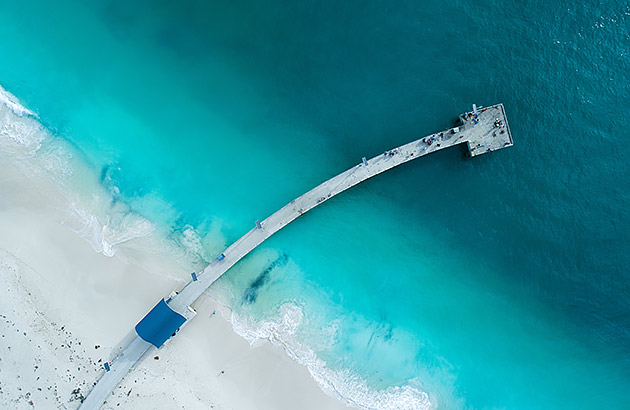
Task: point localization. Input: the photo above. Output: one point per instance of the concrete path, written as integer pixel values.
(131, 355)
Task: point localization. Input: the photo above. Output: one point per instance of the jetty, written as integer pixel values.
(483, 130)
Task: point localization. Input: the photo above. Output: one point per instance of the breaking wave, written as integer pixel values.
(11, 102)
(343, 384)
(87, 206)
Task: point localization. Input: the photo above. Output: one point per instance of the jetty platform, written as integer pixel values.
(483, 130)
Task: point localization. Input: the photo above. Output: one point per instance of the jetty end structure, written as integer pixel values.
(482, 129)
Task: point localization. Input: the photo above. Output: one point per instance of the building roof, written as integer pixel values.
(159, 324)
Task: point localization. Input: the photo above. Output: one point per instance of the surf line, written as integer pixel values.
(482, 129)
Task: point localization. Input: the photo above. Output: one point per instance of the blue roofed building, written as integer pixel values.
(159, 324)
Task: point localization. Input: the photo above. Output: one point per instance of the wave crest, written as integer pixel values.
(20, 132)
(10, 101)
(87, 206)
(342, 384)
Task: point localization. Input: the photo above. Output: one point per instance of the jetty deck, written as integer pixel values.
(483, 139)
(482, 129)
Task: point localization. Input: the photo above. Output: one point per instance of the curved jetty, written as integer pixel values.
(482, 129)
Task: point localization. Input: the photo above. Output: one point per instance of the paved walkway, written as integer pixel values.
(131, 355)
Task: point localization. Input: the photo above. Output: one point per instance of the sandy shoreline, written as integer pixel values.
(64, 306)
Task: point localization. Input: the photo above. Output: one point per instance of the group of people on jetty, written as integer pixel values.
(429, 140)
(391, 153)
(473, 116)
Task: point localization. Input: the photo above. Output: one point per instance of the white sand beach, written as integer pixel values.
(64, 306)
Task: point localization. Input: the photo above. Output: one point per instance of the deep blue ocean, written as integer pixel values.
(500, 282)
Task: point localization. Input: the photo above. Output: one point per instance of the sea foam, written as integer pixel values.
(11, 102)
(85, 205)
(19, 129)
(343, 384)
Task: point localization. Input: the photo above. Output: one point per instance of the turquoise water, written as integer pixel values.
(498, 282)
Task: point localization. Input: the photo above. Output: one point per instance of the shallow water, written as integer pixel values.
(498, 282)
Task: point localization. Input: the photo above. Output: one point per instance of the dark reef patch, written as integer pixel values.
(251, 293)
